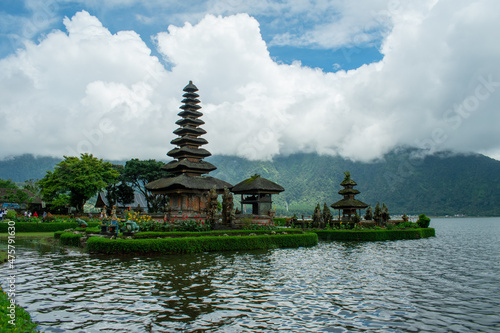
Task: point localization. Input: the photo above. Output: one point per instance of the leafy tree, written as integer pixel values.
(32, 186)
(61, 201)
(139, 173)
(121, 194)
(423, 221)
(124, 194)
(16, 196)
(377, 214)
(112, 188)
(7, 184)
(384, 213)
(327, 215)
(80, 178)
(369, 213)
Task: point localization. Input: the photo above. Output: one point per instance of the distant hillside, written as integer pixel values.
(443, 184)
(24, 167)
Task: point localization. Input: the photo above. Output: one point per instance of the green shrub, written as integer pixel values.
(11, 215)
(94, 230)
(406, 225)
(423, 221)
(375, 235)
(281, 221)
(427, 232)
(58, 234)
(198, 244)
(70, 239)
(22, 322)
(32, 219)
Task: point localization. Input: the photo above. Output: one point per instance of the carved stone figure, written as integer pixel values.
(212, 205)
(227, 206)
(317, 216)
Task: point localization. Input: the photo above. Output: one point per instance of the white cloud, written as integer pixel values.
(88, 89)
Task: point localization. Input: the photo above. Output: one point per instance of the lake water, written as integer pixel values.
(447, 283)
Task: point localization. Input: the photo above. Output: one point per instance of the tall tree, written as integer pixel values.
(369, 213)
(112, 188)
(327, 215)
(80, 178)
(16, 196)
(32, 186)
(384, 213)
(124, 194)
(139, 173)
(377, 214)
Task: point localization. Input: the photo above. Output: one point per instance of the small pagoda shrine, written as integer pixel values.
(256, 191)
(348, 204)
(188, 188)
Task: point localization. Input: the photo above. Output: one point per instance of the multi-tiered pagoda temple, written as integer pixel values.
(188, 188)
(348, 204)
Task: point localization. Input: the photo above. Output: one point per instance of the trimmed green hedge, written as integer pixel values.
(89, 230)
(198, 244)
(43, 227)
(175, 234)
(279, 220)
(70, 239)
(375, 235)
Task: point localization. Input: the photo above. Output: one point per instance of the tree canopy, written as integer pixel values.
(80, 178)
(120, 192)
(139, 173)
(7, 183)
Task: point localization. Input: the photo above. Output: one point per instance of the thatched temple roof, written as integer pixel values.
(185, 183)
(257, 184)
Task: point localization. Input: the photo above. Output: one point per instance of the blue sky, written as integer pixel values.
(148, 20)
(351, 78)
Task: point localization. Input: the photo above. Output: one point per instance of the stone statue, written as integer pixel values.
(227, 207)
(131, 227)
(81, 223)
(103, 213)
(317, 216)
(212, 205)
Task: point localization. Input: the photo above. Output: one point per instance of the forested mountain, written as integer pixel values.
(443, 184)
(24, 167)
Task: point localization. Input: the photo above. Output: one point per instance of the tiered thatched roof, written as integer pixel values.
(257, 184)
(189, 166)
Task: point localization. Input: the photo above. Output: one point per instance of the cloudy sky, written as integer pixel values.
(351, 78)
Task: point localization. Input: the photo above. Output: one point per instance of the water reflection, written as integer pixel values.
(446, 283)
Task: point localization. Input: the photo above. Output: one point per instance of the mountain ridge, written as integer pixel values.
(440, 184)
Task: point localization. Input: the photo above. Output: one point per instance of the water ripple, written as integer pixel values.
(449, 283)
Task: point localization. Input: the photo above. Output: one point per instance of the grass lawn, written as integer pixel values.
(19, 235)
(4, 235)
